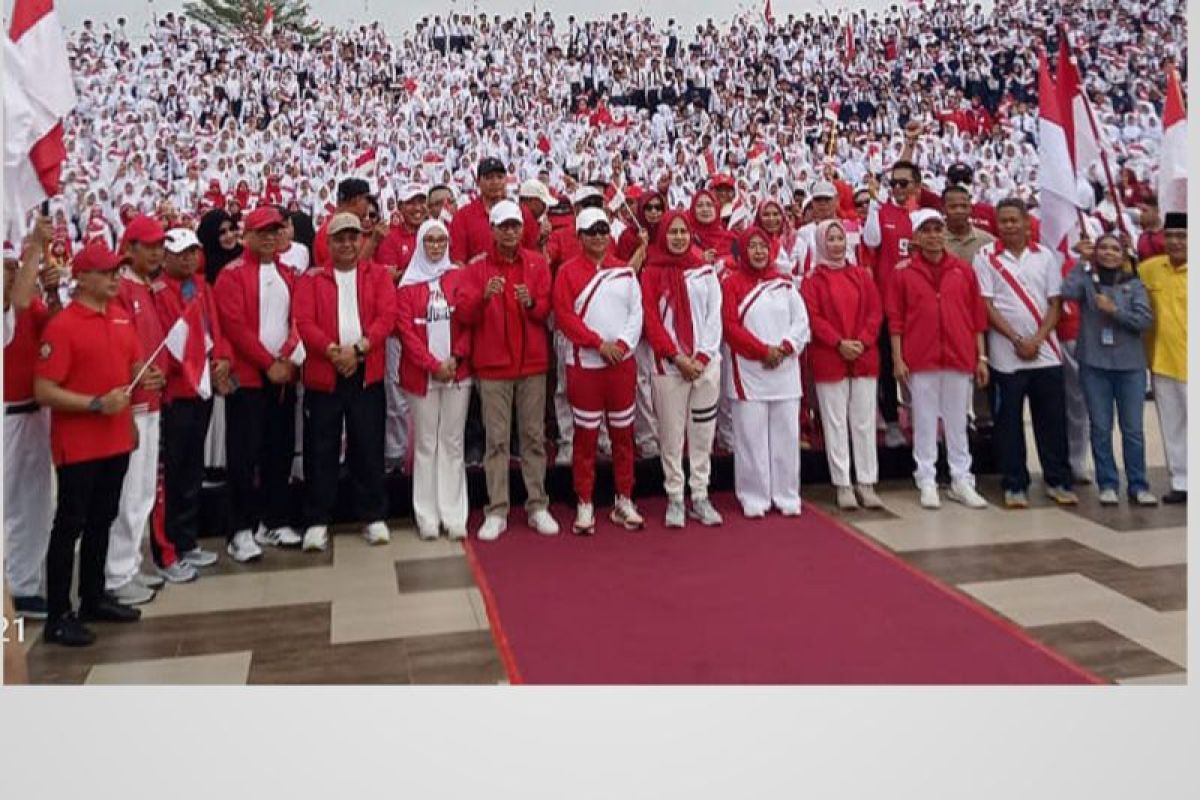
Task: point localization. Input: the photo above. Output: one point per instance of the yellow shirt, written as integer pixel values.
(1166, 342)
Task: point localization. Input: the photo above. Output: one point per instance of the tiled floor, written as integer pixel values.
(1105, 587)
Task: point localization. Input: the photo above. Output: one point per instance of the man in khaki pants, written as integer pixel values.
(506, 302)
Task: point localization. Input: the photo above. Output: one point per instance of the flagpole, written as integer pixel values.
(148, 363)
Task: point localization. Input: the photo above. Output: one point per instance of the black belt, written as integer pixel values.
(22, 408)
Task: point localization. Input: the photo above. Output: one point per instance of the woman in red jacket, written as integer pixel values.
(435, 377)
(845, 312)
(344, 312)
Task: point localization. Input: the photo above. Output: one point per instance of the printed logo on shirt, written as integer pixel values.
(45, 351)
(902, 246)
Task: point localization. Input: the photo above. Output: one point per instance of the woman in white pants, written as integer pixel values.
(681, 300)
(845, 312)
(434, 374)
(766, 329)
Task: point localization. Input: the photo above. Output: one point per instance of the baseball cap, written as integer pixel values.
(143, 229)
(535, 190)
(584, 193)
(344, 222)
(823, 189)
(263, 217)
(1172, 221)
(959, 173)
(505, 211)
(588, 218)
(351, 188)
(411, 191)
(181, 239)
(489, 166)
(96, 257)
(923, 215)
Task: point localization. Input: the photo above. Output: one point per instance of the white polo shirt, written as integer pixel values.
(1038, 272)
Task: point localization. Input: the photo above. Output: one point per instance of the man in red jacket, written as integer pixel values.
(187, 410)
(937, 319)
(470, 230)
(344, 314)
(254, 300)
(506, 302)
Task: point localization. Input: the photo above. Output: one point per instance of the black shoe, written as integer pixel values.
(69, 632)
(32, 607)
(109, 610)
(1175, 498)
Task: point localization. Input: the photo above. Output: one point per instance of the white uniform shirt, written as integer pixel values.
(1038, 273)
(704, 299)
(611, 305)
(349, 326)
(437, 320)
(774, 312)
(274, 308)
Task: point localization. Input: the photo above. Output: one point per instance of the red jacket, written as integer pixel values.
(508, 341)
(470, 232)
(168, 299)
(135, 298)
(315, 310)
(531, 233)
(562, 246)
(842, 304)
(236, 293)
(397, 247)
(412, 326)
(896, 234)
(937, 312)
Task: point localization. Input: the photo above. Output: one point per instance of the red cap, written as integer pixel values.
(144, 229)
(723, 180)
(263, 217)
(96, 257)
(633, 192)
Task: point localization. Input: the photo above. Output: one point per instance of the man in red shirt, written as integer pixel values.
(142, 246)
(88, 359)
(470, 230)
(354, 197)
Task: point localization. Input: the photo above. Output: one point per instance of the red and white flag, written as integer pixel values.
(189, 343)
(1056, 177)
(1084, 142)
(849, 54)
(1172, 170)
(770, 17)
(38, 94)
(364, 165)
(268, 29)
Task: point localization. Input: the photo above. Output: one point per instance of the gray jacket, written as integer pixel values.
(1132, 317)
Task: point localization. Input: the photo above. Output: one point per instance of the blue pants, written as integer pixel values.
(1126, 389)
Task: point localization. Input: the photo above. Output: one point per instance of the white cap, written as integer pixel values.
(410, 191)
(534, 189)
(923, 215)
(180, 239)
(823, 189)
(505, 211)
(583, 193)
(589, 217)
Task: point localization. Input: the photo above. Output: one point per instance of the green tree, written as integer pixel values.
(236, 18)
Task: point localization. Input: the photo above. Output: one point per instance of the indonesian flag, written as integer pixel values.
(708, 164)
(365, 163)
(616, 197)
(38, 94)
(293, 348)
(1083, 143)
(1172, 171)
(268, 29)
(1056, 177)
(770, 17)
(189, 343)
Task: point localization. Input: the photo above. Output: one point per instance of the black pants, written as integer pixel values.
(185, 424)
(889, 397)
(260, 441)
(89, 494)
(1048, 409)
(362, 410)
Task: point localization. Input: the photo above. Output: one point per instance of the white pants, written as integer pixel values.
(645, 425)
(766, 455)
(1079, 436)
(28, 501)
(689, 409)
(1170, 397)
(214, 441)
(941, 395)
(848, 419)
(395, 442)
(128, 531)
(439, 475)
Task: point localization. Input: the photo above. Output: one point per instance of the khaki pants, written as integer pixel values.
(497, 401)
(687, 409)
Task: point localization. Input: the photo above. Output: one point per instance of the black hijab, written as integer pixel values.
(209, 234)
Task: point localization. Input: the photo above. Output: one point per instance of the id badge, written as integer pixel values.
(1107, 337)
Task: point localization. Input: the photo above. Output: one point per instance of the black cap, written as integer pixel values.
(490, 166)
(959, 173)
(352, 188)
(1175, 221)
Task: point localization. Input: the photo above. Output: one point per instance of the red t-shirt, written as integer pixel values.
(89, 352)
(20, 354)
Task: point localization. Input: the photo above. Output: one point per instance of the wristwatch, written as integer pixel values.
(984, 360)
(95, 406)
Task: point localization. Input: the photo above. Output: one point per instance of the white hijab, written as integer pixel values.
(421, 269)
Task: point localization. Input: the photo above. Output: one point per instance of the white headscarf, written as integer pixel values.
(421, 269)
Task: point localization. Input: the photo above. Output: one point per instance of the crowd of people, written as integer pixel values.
(389, 255)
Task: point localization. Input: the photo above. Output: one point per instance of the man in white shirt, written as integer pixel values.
(1020, 282)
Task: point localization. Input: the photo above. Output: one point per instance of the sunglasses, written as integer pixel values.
(597, 230)
(900, 183)
(653, 207)
(859, 203)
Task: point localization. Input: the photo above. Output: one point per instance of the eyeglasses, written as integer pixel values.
(653, 207)
(597, 230)
(861, 203)
(900, 183)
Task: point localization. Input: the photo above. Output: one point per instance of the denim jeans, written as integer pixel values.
(1126, 389)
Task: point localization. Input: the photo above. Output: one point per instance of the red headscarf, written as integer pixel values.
(714, 235)
(628, 242)
(786, 237)
(671, 266)
(743, 255)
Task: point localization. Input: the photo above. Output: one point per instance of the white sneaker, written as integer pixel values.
(377, 533)
(543, 523)
(456, 534)
(316, 539)
(277, 537)
(846, 499)
(427, 534)
(868, 497)
(491, 528)
(179, 572)
(1109, 497)
(585, 520)
(563, 457)
(242, 548)
(893, 436)
(962, 492)
(929, 496)
(626, 515)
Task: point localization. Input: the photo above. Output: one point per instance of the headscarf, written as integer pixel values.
(209, 234)
(821, 255)
(659, 257)
(714, 235)
(420, 268)
(628, 242)
(1104, 275)
(771, 270)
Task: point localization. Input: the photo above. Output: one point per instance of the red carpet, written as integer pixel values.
(774, 601)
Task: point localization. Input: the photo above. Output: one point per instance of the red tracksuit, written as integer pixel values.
(938, 311)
